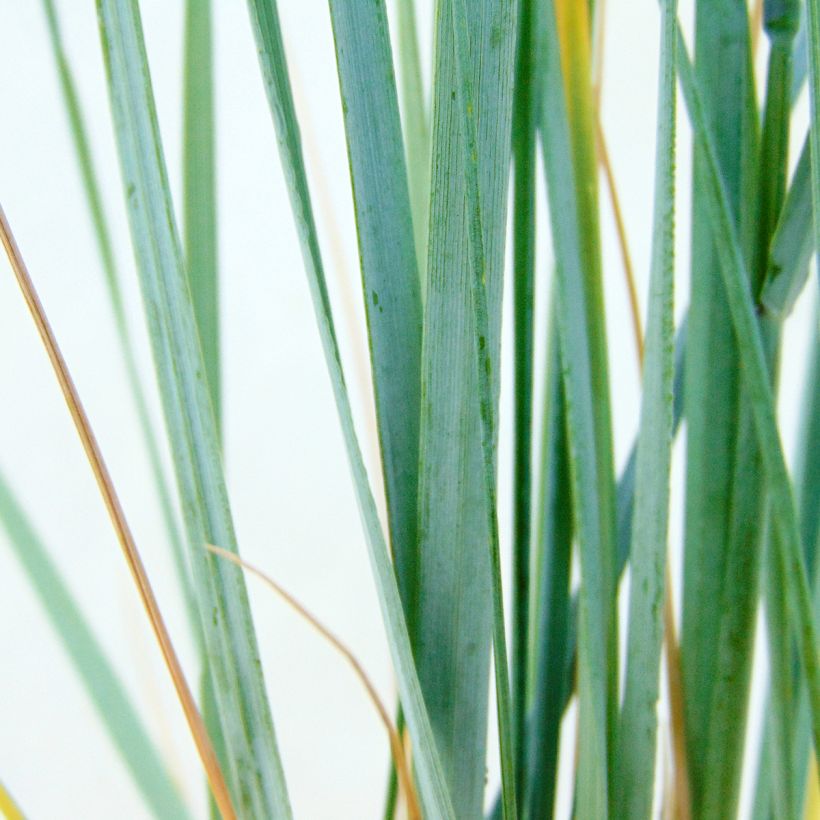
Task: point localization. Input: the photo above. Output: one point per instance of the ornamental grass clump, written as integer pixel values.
(607, 679)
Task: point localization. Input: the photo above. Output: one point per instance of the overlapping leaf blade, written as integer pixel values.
(108, 695)
(390, 278)
(638, 725)
(433, 788)
(459, 596)
(254, 770)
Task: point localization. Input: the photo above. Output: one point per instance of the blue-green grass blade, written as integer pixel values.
(792, 243)
(757, 391)
(388, 261)
(255, 771)
(199, 226)
(717, 437)
(433, 789)
(570, 167)
(638, 725)
(416, 127)
(102, 234)
(524, 124)
(553, 676)
(109, 697)
(459, 600)
(625, 497)
(199, 215)
(781, 20)
(484, 362)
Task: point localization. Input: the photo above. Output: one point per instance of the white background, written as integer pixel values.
(291, 494)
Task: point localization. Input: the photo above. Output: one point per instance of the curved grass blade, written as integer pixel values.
(569, 153)
(524, 121)
(109, 697)
(637, 729)
(255, 772)
(388, 262)
(433, 790)
(102, 233)
(758, 392)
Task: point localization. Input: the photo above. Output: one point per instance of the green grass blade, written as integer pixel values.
(102, 234)
(813, 30)
(792, 243)
(459, 602)
(484, 368)
(560, 529)
(388, 261)
(638, 725)
(255, 770)
(758, 392)
(199, 188)
(432, 784)
(523, 144)
(108, 695)
(199, 223)
(553, 677)
(808, 498)
(717, 437)
(416, 127)
(567, 134)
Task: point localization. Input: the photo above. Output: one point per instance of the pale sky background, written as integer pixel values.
(292, 498)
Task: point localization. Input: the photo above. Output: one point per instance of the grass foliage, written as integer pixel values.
(441, 174)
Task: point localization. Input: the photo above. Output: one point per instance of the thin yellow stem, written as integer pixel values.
(115, 512)
(620, 226)
(396, 747)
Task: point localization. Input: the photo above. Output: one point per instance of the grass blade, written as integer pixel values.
(102, 233)
(104, 688)
(718, 437)
(758, 393)
(433, 789)
(256, 774)
(638, 725)
(553, 676)
(388, 261)
(199, 189)
(569, 151)
(484, 361)
(460, 599)
(792, 243)
(416, 127)
(117, 516)
(523, 144)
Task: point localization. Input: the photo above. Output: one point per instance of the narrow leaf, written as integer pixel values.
(389, 272)
(459, 597)
(109, 697)
(638, 726)
(255, 769)
(433, 790)
(758, 393)
(568, 141)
